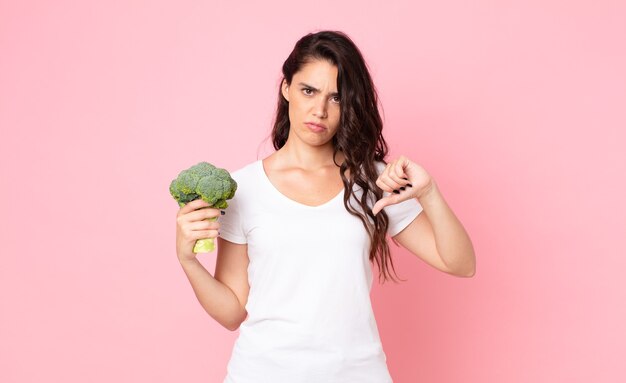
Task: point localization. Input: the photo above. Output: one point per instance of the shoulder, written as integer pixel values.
(247, 179)
(245, 173)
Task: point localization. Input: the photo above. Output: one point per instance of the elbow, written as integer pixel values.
(229, 325)
(464, 273)
(469, 274)
(466, 270)
(470, 266)
(234, 326)
(470, 271)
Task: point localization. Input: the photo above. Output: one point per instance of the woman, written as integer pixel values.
(297, 241)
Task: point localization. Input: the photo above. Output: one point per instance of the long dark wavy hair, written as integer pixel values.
(360, 129)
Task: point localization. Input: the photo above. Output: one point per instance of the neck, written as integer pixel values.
(300, 155)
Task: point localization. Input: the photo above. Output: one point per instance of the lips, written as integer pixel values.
(315, 127)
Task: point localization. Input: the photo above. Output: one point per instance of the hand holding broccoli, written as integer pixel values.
(213, 186)
(195, 221)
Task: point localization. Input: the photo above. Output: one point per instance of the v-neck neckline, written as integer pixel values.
(284, 197)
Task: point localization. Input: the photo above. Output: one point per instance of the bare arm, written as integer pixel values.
(223, 297)
(217, 299)
(438, 237)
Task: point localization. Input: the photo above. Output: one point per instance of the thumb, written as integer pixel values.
(380, 204)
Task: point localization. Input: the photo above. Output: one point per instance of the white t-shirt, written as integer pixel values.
(310, 317)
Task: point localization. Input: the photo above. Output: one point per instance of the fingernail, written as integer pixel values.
(402, 188)
(397, 192)
(222, 212)
(409, 185)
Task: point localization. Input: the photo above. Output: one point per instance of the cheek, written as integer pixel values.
(296, 109)
(293, 112)
(336, 115)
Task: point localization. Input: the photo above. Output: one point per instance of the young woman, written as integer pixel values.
(298, 240)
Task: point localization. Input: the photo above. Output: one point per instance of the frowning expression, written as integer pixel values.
(314, 104)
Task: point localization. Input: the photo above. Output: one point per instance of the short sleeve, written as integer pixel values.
(401, 215)
(231, 228)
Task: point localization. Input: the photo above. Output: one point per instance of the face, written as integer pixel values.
(313, 98)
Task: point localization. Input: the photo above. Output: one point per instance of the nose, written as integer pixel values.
(320, 108)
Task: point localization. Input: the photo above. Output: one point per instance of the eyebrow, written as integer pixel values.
(317, 90)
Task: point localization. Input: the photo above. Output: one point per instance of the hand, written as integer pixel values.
(192, 224)
(404, 179)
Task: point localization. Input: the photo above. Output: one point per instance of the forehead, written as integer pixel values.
(318, 73)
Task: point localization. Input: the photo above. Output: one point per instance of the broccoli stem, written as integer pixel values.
(206, 245)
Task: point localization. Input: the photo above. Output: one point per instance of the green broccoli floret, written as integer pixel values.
(213, 185)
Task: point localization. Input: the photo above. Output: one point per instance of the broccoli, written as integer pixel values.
(213, 185)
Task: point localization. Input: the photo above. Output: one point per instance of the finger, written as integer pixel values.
(385, 184)
(402, 162)
(397, 176)
(203, 225)
(394, 174)
(385, 201)
(203, 234)
(380, 183)
(398, 170)
(393, 199)
(379, 205)
(193, 205)
(203, 213)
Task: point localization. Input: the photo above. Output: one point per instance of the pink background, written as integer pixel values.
(517, 109)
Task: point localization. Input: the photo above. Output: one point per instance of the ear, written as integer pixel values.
(285, 90)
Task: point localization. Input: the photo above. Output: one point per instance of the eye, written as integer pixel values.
(337, 99)
(305, 90)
